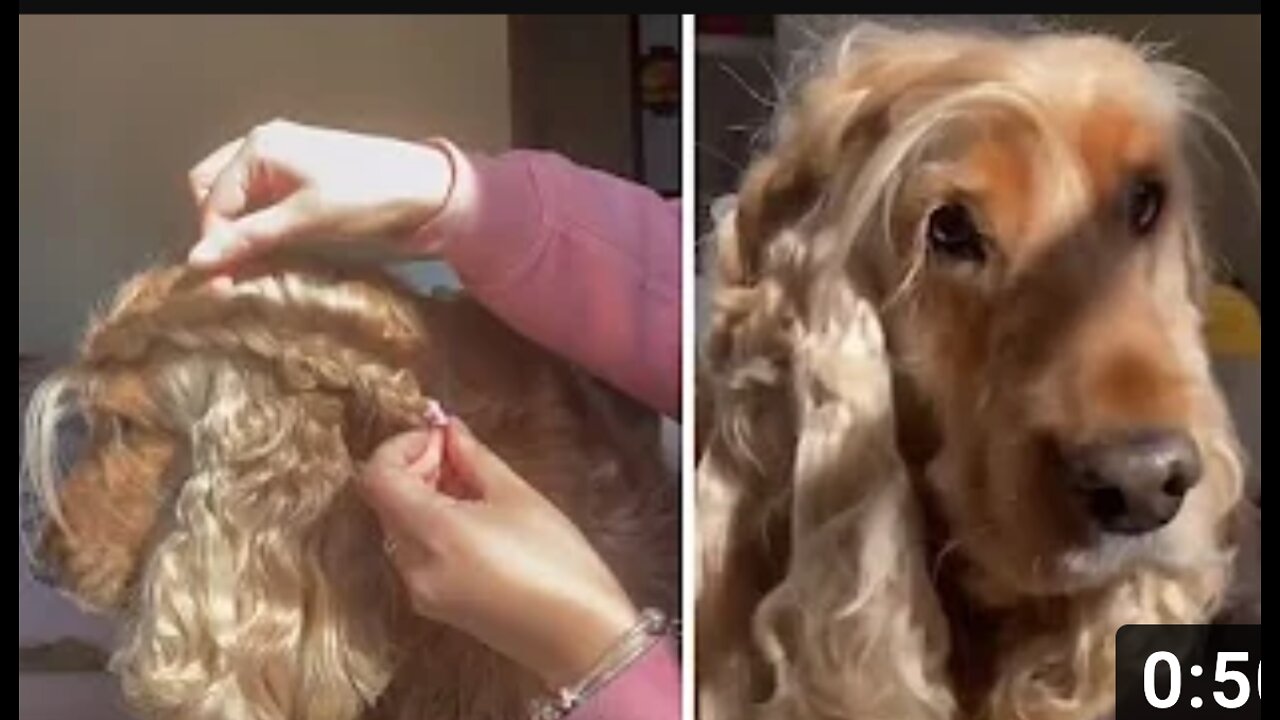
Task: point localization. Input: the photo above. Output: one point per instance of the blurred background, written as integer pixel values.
(113, 112)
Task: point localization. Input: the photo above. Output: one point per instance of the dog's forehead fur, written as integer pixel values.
(1056, 128)
(1115, 116)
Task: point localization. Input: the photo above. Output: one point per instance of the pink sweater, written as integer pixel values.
(587, 265)
(584, 263)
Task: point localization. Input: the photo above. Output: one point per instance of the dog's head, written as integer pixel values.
(1022, 212)
(211, 505)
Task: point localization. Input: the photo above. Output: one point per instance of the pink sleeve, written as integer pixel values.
(648, 690)
(585, 264)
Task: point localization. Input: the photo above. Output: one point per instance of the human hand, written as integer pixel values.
(286, 183)
(481, 550)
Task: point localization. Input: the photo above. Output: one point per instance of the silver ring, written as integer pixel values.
(389, 546)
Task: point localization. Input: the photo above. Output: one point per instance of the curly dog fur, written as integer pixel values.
(213, 509)
(884, 531)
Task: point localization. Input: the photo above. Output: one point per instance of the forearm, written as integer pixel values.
(583, 263)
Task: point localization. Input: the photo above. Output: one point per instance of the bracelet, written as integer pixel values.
(647, 632)
(446, 148)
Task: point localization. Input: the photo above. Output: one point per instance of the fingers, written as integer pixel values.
(428, 462)
(409, 448)
(229, 192)
(228, 241)
(245, 203)
(241, 173)
(399, 482)
(202, 176)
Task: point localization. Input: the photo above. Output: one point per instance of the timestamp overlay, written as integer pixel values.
(1179, 672)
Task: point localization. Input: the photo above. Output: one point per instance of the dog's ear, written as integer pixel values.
(780, 249)
(777, 190)
(804, 425)
(249, 596)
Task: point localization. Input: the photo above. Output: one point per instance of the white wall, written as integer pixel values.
(112, 111)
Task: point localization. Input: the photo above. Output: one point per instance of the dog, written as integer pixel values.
(959, 420)
(213, 510)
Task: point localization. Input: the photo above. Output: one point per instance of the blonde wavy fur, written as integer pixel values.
(880, 533)
(213, 510)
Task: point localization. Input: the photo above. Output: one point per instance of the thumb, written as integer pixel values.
(399, 484)
(476, 465)
(230, 241)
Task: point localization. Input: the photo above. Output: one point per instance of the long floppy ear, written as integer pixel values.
(265, 594)
(814, 594)
(854, 629)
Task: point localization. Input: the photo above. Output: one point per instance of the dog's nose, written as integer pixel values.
(1134, 483)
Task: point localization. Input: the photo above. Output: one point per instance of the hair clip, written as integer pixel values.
(435, 415)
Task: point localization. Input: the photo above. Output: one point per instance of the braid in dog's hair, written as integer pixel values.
(290, 322)
(279, 386)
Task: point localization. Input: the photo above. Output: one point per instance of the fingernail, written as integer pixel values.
(426, 443)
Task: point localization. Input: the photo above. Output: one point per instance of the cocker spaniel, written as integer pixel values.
(213, 508)
(962, 425)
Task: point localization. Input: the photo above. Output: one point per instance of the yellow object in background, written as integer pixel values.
(1234, 326)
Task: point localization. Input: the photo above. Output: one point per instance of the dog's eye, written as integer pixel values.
(1144, 205)
(953, 233)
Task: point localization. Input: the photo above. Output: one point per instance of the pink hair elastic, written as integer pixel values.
(435, 415)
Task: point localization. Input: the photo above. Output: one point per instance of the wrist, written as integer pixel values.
(455, 200)
(587, 640)
(646, 633)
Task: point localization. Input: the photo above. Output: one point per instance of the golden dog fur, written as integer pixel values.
(882, 532)
(214, 511)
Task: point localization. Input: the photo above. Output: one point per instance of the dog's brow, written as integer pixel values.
(1115, 142)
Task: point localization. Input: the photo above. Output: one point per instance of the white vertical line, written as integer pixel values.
(688, 194)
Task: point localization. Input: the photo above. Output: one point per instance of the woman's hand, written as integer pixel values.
(286, 183)
(480, 549)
